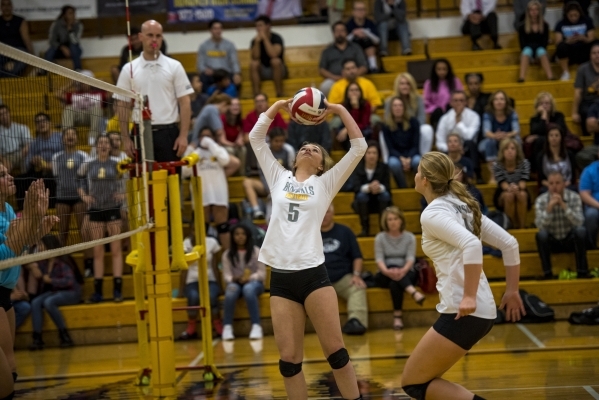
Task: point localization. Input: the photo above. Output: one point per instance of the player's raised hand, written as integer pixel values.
(36, 200)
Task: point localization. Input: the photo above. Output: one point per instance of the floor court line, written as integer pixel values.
(531, 336)
(592, 392)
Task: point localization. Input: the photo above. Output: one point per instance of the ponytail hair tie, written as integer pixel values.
(449, 182)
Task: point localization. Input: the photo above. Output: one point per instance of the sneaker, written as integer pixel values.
(353, 327)
(565, 76)
(406, 52)
(95, 298)
(256, 332)
(88, 273)
(228, 333)
(188, 336)
(258, 215)
(117, 296)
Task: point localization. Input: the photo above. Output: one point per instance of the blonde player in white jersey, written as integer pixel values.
(293, 249)
(452, 230)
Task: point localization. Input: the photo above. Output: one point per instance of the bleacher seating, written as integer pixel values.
(500, 69)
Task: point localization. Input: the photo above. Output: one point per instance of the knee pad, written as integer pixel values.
(338, 359)
(288, 369)
(417, 392)
(223, 228)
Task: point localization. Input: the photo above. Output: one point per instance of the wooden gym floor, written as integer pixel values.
(546, 361)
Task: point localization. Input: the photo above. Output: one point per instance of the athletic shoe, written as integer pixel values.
(228, 333)
(258, 215)
(117, 296)
(188, 336)
(256, 332)
(95, 298)
(565, 76)
(353, 327)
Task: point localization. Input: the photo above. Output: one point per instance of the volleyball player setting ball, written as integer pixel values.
(452, 230)
(293, 245)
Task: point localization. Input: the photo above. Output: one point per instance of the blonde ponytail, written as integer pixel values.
(440, 171)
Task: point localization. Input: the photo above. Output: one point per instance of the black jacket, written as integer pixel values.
(381, 174)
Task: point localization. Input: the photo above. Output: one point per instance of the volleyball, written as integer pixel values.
(308, 105)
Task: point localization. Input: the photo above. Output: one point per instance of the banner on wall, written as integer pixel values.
(46, 10)
(206, 10)
(115, 8)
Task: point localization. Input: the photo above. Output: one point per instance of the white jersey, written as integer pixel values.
(212, 247)
(448, 241)
(213, 159)
(293, 240)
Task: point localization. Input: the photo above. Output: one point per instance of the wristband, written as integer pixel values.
(357, 273)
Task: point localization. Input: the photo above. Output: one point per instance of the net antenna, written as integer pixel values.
(27, 95)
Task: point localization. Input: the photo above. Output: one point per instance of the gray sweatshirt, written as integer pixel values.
(60, 35)
(221, 55)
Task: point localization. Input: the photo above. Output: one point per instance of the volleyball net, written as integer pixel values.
(63, 128)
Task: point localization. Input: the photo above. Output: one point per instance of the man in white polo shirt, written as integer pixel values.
(165, 83)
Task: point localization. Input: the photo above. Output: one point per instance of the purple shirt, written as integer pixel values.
(440, 98)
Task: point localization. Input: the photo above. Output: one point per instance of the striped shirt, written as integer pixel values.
(395, 250)
(521, 173)
(559, 221)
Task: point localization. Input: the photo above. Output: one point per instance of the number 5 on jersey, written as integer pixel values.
(293, 214)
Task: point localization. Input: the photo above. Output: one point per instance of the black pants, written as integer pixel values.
(471, 151)
(575, 53)
(575, 241)
(436, 116)
(488, 26)
(397, 288)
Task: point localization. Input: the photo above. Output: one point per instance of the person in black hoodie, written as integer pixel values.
(371, 185)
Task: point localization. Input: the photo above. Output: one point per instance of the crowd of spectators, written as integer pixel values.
(453, 116)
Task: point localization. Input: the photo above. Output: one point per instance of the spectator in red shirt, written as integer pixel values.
(84, 106)
(233, 127)
(360, 110)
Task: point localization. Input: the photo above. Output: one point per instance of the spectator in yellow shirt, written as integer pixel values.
(349, 74)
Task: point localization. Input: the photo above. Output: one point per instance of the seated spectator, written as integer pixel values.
(512, 171)
(14, 141)
(343, 260)
(459, 120)
(479, 19)
(589, 193)
(218, 53)
(477, 99)
(14, 32)
(198, 98)
(555, 157)
(388, 15)
(332, 57)
(38, 164)
(363, 32)
(586, 88)
(360, 111)
(192, 289)
(499, 122)
(401, 135)
(136, 50)
(260, 106)
(350, 74)
(520, 11)
(210, 117)
(254, 187)
(65, 37)
(63, 286)
(372, 187)
(233, 127)
(534, 37)
(573, 37)
(395, 254)
(455, 151)
(437, 90)
(214, 167)
(101, 191)
(277, 10)
(406, 88)
(84, 106)
(589, 153)
(559, 217)
(244, 276)
(546, 114)
(20, 301)
(267, 57)
(222, 84)
(299, 133)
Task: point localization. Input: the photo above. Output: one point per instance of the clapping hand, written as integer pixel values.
(36, 201)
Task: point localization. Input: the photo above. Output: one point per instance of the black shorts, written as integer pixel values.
(466, 331)
(109, 215)
(69, 202)
(297, 286)
(5, 298)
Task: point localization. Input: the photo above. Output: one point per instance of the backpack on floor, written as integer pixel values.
(590, 316)
(536, 310)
